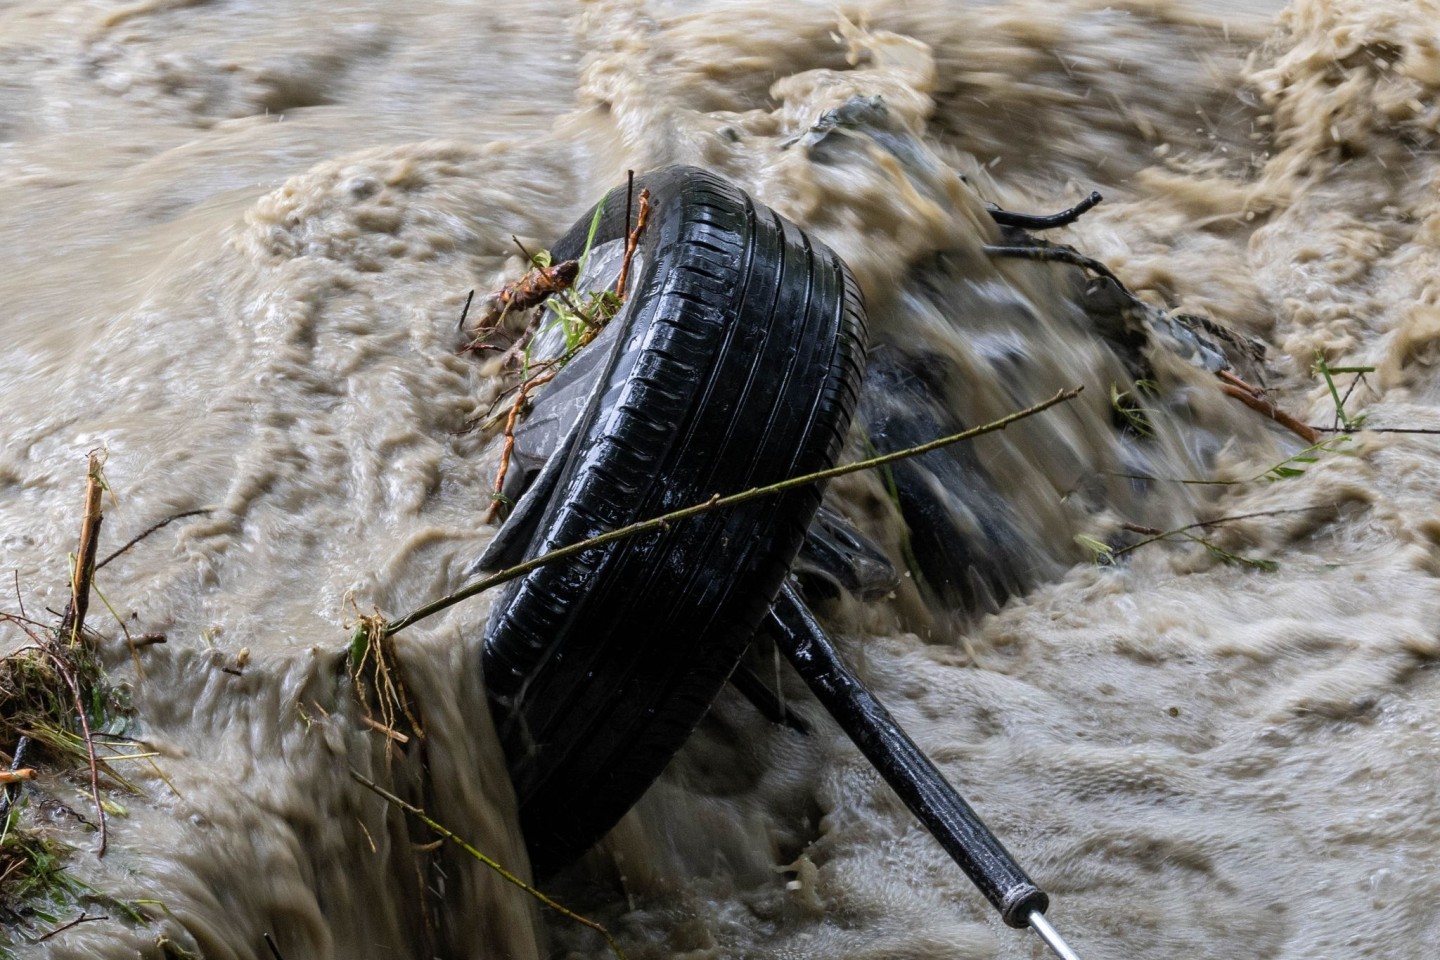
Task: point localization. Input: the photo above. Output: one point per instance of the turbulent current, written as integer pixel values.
(237, 236)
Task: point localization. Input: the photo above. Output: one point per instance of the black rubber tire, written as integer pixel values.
(739, 365)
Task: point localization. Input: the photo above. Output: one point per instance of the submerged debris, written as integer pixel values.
(548, 290)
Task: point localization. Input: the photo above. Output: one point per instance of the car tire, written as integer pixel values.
(738, 364)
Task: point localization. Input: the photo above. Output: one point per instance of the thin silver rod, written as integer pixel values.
(1052, 939)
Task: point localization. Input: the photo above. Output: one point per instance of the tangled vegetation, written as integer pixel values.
(61, 720)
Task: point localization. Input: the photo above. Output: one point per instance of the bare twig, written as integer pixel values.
(83, 918)
(465, 310)
(629, 196)
(24, 623)
(490, 862)
(485, 418)
(509, 448)
(151, 529)
(632, 241)
(715, 503)
(1255, 398)
(390, 732)
(63, 669)
(1369, 429)
(63, 646)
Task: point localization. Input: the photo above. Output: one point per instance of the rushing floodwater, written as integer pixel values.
(236, 237)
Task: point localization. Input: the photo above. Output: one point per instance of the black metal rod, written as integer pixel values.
(1030, 221)
(947, 816)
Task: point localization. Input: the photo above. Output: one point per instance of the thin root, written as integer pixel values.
(375, 671)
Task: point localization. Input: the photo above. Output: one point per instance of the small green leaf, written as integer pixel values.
(359, 643)
(1269, 566)
(1104, 553)
(1126, 405)
(590, 237)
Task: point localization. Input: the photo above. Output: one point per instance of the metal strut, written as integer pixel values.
(950, 820)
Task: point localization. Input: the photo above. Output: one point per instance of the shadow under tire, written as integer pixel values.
(738, 365)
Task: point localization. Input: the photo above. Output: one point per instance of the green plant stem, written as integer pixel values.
(1202, 524)
(717, 502)
(1342, 419)
(490, 862)
(1270, 473)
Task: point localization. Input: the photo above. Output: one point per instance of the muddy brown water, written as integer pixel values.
(236, 238)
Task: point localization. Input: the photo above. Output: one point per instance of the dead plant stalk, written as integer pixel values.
(73, 621)
(496, 497)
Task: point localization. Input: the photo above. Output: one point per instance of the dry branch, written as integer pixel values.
(1255, 398)
(68, 675)
(83, 918)
(151, 529)
(633, 240)
(497, 497)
